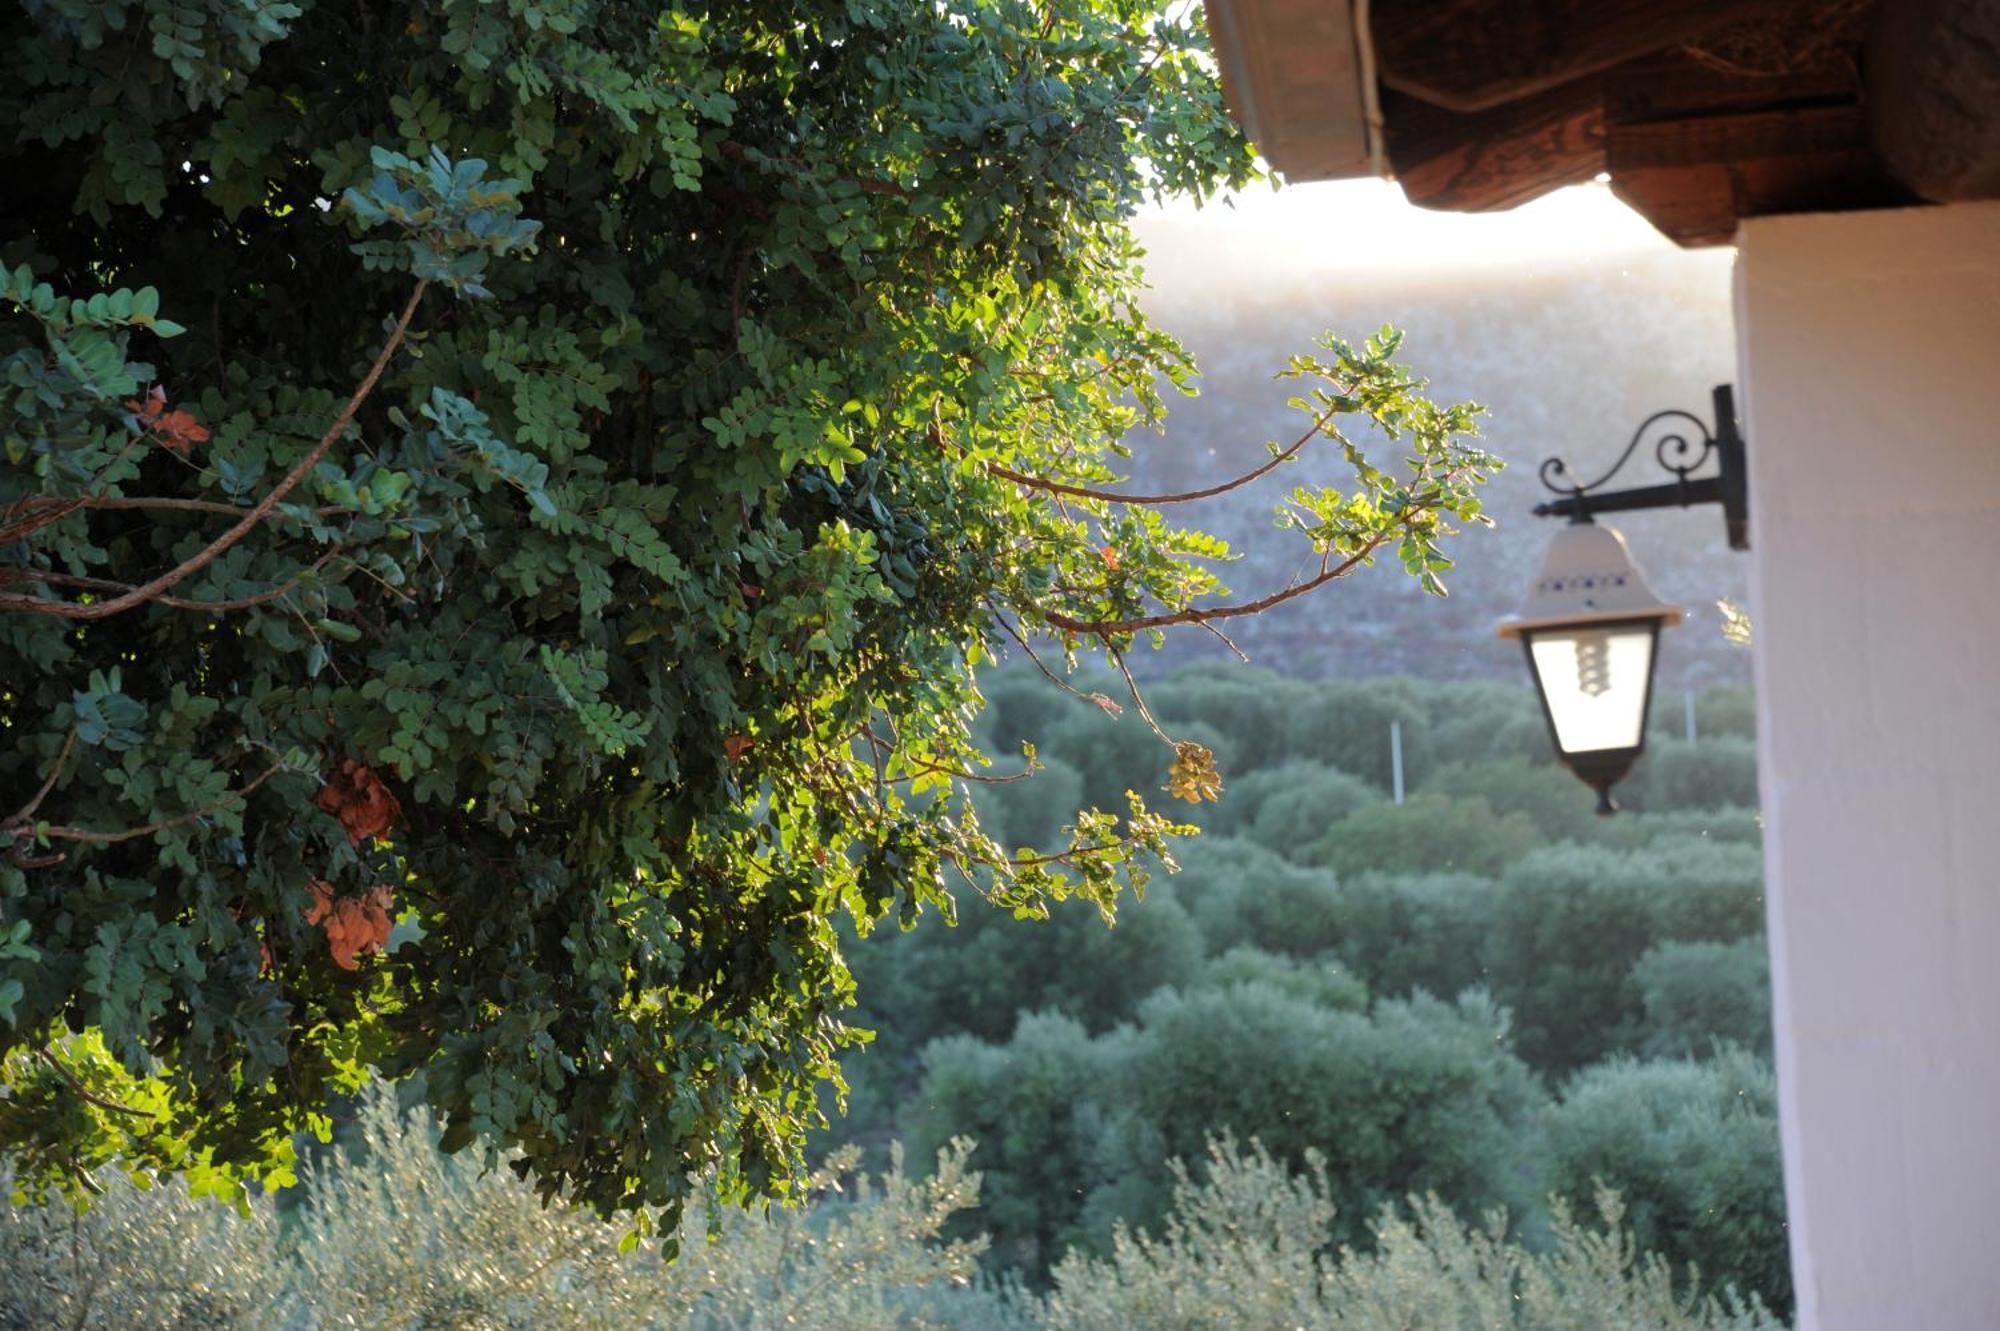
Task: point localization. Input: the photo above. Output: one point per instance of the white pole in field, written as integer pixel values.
(1690, 714)
(1396, 757)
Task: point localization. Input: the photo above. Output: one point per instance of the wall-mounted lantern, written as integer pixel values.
(1591, 624)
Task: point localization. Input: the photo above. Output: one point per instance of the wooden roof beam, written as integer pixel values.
(1473, 55)
(1495, 159)
(1934, 95)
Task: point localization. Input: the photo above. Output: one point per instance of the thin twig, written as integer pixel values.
(866, 184)
(1228, 642)
(875, 756)
(85, 1093)
(27, 811)
(1021, 640)
(736, 282)
(1138, 699)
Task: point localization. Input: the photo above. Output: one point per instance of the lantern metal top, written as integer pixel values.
(1588, 577)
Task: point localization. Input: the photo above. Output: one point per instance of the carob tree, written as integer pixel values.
(503, 506)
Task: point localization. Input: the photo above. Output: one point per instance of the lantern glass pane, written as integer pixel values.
(1595, 680)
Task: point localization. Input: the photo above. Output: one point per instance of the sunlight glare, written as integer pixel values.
(1367, 225)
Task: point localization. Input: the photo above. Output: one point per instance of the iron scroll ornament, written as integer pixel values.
(1671, 452)
(1681, 452)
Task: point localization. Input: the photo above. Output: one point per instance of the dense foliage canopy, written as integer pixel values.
(502, 509)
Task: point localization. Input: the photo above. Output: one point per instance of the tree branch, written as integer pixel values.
(20, 821)
(737, 152)
(1105, 628)
(1278, 459)
(1068, 857)
(928, 768)
(27, 811)
(194, 564)
(84, 1093)
(35, 502)
(177, 602)
(49, 511)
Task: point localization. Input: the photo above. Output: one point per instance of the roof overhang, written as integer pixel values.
(1702, 112)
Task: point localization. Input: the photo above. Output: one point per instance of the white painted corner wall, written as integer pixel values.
(1870, 378)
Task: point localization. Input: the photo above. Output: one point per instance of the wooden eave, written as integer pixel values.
(1486, 104)
(1291, 74)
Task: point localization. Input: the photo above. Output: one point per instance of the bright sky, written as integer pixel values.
(1368, 225)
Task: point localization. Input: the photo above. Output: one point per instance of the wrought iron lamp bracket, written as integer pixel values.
(1682, 451)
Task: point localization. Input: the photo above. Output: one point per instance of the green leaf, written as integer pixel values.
(334, 628)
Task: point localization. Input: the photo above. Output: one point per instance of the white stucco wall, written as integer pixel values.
(1870, 347)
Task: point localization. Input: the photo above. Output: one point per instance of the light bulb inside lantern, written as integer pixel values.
(1593, 663)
